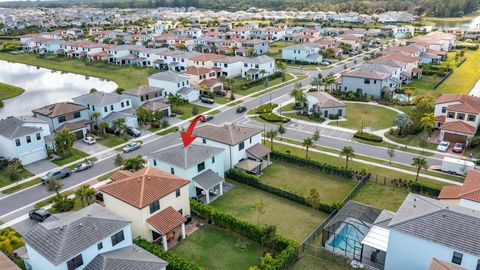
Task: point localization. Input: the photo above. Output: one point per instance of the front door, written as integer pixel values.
(155, 235)
(325, 114)
(340, 113)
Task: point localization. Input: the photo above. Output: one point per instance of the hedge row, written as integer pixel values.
(174, 262)
(423, 189)
(367, 136)
(271, 117)
(303, 162)
(251, 180)
(287, 248)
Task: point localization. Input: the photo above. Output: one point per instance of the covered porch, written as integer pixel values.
(250, 166)
(209, 186)
(259, 153)
(166, 226)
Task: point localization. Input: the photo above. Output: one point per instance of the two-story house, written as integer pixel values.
(258, 67)
(110, 106)
(174, 83)
(229, 66)
(367, 82)
(302, 53)
(466, 195)
(199, 163)
(142, 94)
(457, 117)
(66, 115)
(243, 148)
(156, 202)
(25, 138)
(91, 238)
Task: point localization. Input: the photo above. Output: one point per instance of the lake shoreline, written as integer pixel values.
(8, 91)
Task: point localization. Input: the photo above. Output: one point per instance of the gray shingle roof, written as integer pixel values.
(439, 222)
(142, 90)
(99, 98)
(60, 238)
(196, 153)
(227, 134)
(208, 179)
(169, 76)
(262, 59)
(131, 258)
(13, 127)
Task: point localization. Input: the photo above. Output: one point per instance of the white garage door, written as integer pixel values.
(32, 156)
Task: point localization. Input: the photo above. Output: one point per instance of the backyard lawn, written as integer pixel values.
(215, 248)
(240, 201)
(75, 155)
(9, 91)
(307, 262)
(369, 114)
(126, 77)
(275, 50)
(381, 196)
(300, 180)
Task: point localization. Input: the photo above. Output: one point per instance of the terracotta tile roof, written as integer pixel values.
(73, 126)
(6, 263)
(440, 118)
(441, 265)
(459, 126)
(400, 58)
(211, 82)
(191, 70)
(166, 220)
(58, 109)
(120, 174)
(472, 103)
(144, 186)
(470, 189)
(206, 57)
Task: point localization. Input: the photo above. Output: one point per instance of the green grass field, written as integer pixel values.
(381, 196)
(187, 110)
(75, 155)
(215, 248)
(275, 50)
(327, 261)
(112, 141)
(4, 181)
(260, 87)
(300, 222)
(9, 91)
(125, 77)
(300, 180)
(369, 114)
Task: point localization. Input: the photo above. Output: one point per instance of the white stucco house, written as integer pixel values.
(243, 145)
(25, 138)
(466, 195)
(203, 165)
(325, 105)
(174, 83)
(304, 53)
(91, 238)
(367, 82)
(156, 203)
(252, 67)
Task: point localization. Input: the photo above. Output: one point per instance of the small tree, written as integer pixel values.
(118, 160)
(307, 143)
(348, 152)
(64, 142)
(62, 203)
(95, 116)
(85, 193)
(195, 110)
(402, 121)
(119, 126)
(281, 130)
(271, 134)
(316, 136)
(164, 123)
(313, 199)
(102, 127)
(391, 153)
(419, 163)
(134, 164)
(93, 90)
(259, 207)
(427, 122)
(232, 96)
(54, 185)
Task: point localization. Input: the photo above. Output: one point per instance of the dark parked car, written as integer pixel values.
(221, 93)
(38, 214)
(206, 118)
(241, 109)
(207, 100)
(133, 132)
(99, 196)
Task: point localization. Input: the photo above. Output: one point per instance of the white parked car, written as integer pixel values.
(89, 140)
(443, 146)
(324, 63)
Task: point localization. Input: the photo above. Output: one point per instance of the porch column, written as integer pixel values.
(268, 158)
(183, 231)
(208, 196)
(164, 240)
(221, 188)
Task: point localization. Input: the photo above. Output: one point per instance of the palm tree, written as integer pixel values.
(119, 126)
(307, 143)
(282, 67)
(348, 153)
(281, 130)
(271, 134)
(299, 96)
(262, 74)
(317, 82)
(64, 141)
(9, 239)
(102, 127)
(85, 193)
(54, 185)
(419, 163)
(134, 164)
(95, 116)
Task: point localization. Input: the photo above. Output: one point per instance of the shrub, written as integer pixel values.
(368, 137)
(271, 117)
(174, 262)
(333, 116)
(425, 190)
(265, 108)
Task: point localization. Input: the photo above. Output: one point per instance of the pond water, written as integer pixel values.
(44, 86)
(474, 23)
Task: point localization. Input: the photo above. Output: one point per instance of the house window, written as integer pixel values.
(177, 193)
(457, 258)
(451, 115)
(39, 137)
(100, 245)
(478, 265)
(472, 118)
(201, 167)
(93, 108)
(17, 142)
(117, 238)
(123, 105)
(241, 146)
(444, 109)
(204, 140)
(366, 81)
(75, 263)
(154, 206)
(105, 109)
(250, 140)
(61, 119)
(460, 116)
(29, 139)
(172, 170)
(76, 115)
(111, 107)
(154, 162)
(128, 102)
(213, 159)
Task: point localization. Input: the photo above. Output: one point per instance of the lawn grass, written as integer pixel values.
(260, 87)
(9, 91)
(299, 224)
(411, 140)
(111, 141)
(4, 180)
(125, 76)
(275, 49)
(22, 186)
(375, 117)
(308, 262)
(381, 196)
(204, 246)
(222, 100)
(75, 154)
(302, 117)
(288, 107)
(332, 188)
(187, 110)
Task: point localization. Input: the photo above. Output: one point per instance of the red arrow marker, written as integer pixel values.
(187, 137)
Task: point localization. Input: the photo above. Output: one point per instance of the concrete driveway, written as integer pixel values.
(89, 148)
(40, 166)
(24, 226)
